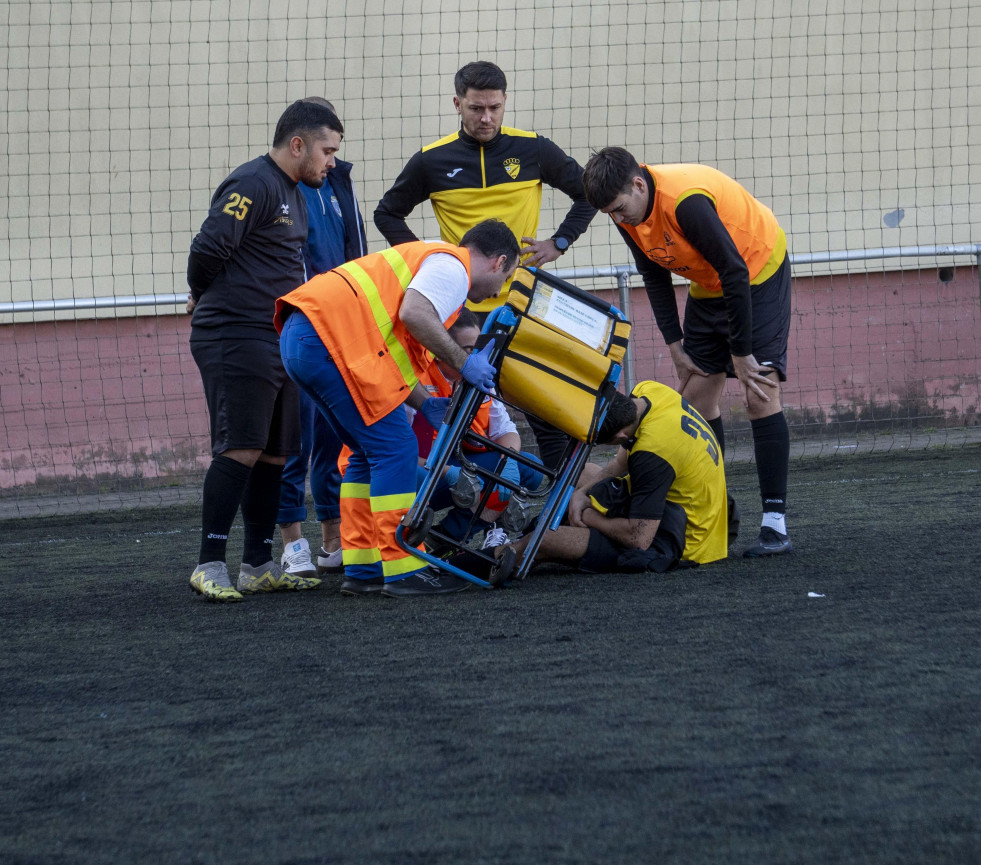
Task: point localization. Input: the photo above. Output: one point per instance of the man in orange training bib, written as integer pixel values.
(696, 222)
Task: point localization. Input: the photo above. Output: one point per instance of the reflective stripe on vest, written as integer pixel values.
(355, 311)
(385, 324)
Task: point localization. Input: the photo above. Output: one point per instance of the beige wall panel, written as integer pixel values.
(118, 119)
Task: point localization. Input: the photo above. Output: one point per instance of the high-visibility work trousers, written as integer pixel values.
(380, 482)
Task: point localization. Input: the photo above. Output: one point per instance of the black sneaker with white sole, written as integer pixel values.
(769, 543)
(428, 581)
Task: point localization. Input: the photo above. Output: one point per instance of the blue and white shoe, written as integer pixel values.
(296, 559)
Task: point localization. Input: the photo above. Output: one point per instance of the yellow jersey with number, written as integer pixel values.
(672, 430)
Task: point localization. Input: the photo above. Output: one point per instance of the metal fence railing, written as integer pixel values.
(619, 273)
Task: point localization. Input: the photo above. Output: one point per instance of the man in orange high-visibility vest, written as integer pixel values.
(356, 339)
(694, 221)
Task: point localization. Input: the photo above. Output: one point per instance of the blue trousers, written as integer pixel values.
(380, 482)
(319, 449)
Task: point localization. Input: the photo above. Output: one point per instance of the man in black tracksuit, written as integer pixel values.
(248, 253)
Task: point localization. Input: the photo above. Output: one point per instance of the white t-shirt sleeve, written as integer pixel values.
(442, 280)
(499, 423)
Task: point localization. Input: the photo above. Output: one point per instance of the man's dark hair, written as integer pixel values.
(480, 75)
(607, 174)
(492, 238)
(319, 100)
(621, 414)
(305, 118)
(465, 319)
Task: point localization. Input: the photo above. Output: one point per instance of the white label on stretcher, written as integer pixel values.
(572, 316)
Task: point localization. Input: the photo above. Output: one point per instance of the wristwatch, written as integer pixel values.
(561, 243)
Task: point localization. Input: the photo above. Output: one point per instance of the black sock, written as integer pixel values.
(260, 507)
(223, 485)
(720, 433)
(771, 441)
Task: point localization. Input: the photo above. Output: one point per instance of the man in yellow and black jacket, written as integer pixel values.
(487, 170)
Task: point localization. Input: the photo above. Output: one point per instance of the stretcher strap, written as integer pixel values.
(551, 372)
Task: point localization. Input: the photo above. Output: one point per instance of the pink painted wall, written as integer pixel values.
(898, 345)
(93, 402)
(101, 398)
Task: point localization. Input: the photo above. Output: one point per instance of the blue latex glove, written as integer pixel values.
(479, 371)
(433, 409)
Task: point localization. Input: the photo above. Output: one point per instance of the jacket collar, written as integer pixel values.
(473, 142)
(341, 167)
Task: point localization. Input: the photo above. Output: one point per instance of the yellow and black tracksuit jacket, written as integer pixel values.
(467, 182)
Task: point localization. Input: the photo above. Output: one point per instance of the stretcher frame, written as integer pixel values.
(500, 328)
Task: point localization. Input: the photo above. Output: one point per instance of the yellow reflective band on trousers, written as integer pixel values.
(382, 319)
(355, 491)
(388, 511)
(392, 502)
(407, 565)
(361, 557)
(359, 532)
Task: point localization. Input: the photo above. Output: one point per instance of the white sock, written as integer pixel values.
(775, 521)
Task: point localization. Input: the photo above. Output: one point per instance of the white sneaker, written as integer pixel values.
(330, 563)
(495, 537)
(296, 559)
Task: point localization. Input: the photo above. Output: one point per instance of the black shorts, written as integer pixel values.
(706, 327)
(604, 556)
(252, 402)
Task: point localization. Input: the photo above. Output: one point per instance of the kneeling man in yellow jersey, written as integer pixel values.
(660, 503)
